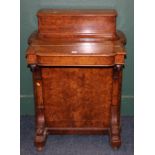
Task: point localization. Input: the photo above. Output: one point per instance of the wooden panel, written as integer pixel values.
(56, 23)
(77, 97)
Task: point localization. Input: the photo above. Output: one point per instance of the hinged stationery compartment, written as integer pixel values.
(79, 23)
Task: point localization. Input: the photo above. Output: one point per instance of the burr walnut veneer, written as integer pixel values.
(76, 58)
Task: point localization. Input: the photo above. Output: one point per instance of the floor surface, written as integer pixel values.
(76, 144)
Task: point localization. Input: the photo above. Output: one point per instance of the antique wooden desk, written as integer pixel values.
(76, 58)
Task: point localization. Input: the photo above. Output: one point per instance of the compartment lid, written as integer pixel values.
(45, 53)
(86, 23)
(77, 12)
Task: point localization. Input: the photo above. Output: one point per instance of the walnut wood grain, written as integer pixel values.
(115, 138)
(80, 96)
(107, 53)
(80, 23)
(76, 58)
(40, 130)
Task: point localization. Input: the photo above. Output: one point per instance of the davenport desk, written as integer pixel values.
(76, 58)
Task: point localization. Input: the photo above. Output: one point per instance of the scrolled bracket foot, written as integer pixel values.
(40, 139)
(115, 129)
(115, 141)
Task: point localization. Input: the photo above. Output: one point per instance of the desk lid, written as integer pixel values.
(70, 53)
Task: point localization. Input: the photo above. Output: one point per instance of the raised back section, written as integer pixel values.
(70, 24)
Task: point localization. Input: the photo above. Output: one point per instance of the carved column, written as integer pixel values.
(115, 138)
(40, 131)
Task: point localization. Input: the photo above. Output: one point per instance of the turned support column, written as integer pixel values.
(115, 137)
(40, 131)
